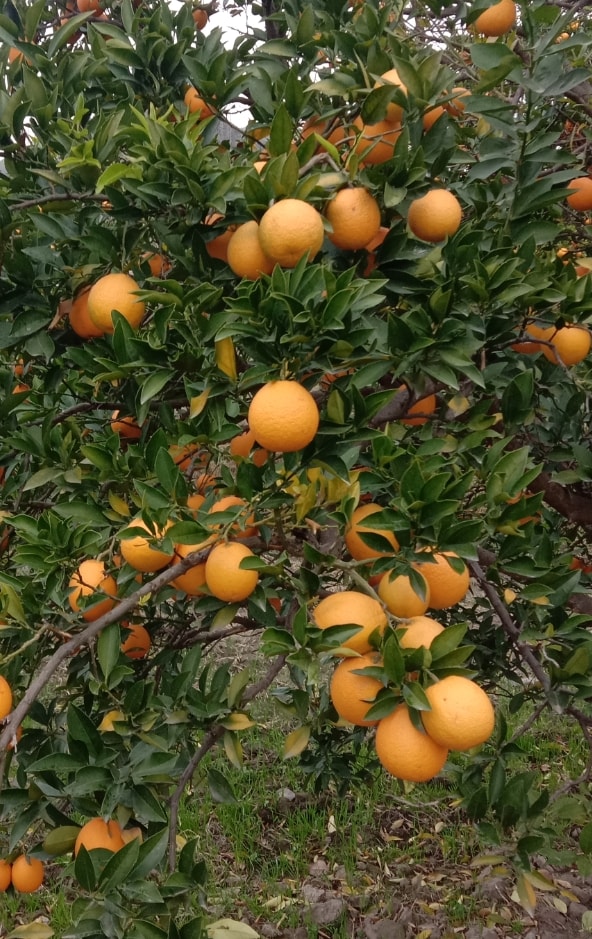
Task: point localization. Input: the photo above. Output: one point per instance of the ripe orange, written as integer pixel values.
(433, 114)
(5, 698)
(97, 833)
(418, 631)
(200, 18)
(185, 456)
(159, 264)
(351, 608)
(328, 128)
(462, 715)
(352, 694)
(193, 581)
(5, 875)
(115, 292)
(456, 106)
(217, 247)
(289, 230)
(497, 19)
(245, 254)
(79, 317)
(422, 408)
(225, 578)
(354, 216)
(283, 416)
(372, 247)
(139, 553)
(435, 216)
(357, 547)
(581, 197)
(126, 426)
(195, 502)
(196, 105)
(27, 874)
(14, 54)
(394, 112)
(569, 345)
(245, 445)
(406, 752)
(537, 332)
(244, 527)
(447, 586)
(376, 142)
(91, 578)
(87, 6)
(137, 643)
(400, 598)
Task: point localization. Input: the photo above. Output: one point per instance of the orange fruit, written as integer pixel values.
(139, 552)
(355, 544)
(88, 6)
(89, 579)
(79, 317)
(352, 694)
(400, 598)
(283, 416)
(433, 114)
(225, 578)
(217, 247)
(447, 586)
(5, 875)
(196, 105)
(289, 230)
(244, 527)
(195, 502)
(193, 581)
(185, 456)
(5, 698)
(200, 18)
(159, 264)
(497, 19)
(569, 345)
(245, 254)
(394, 112)
(245, 445)
(376, 142)
(27, 874)
(537, 332)
(351, 608)
(372, 247)
(418, 631)
(14, 54)
(456, 106)
(461, 716)
(330, 129)
(354, 216)
(115, 292)
(126, 426)
(422, 408)
(137, 642)
(581, 194)
(435, 216)
(406, 752)
(97, 833)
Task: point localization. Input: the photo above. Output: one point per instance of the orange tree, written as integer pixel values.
(356, 228)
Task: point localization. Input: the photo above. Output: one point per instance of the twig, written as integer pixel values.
(509, 626)
(57, 197)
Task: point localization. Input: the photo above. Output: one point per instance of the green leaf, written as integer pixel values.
(282, 132)
(81, 728)
(118, 171)
(415, 696)
(585, 839)
(109, 649)
(84, 870)
(155, 383)
(119, 866)
(230, 929)
(151, 853)
(220, 789)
